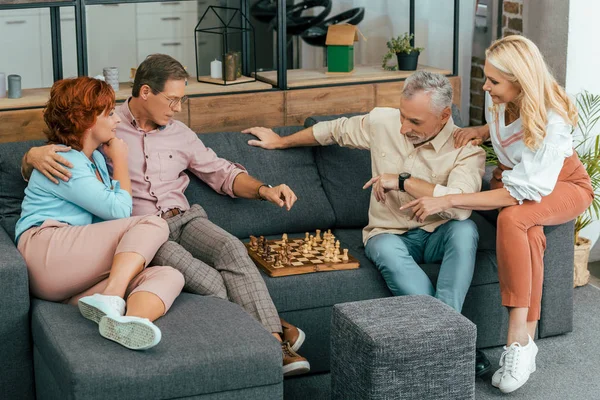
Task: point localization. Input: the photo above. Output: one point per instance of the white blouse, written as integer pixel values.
(534, 172)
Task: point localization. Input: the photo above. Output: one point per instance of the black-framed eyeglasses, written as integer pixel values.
(173, 102)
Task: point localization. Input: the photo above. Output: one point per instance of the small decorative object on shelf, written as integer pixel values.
(111, 76)
(234, 31)
(2, 85)
(132, 73)
(216, 71)
(14, 86)
(406, 54)
(340, 48)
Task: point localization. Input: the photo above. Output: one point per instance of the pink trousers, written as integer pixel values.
(67, 262)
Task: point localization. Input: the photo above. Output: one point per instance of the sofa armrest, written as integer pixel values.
(16, 364)
(557, 294)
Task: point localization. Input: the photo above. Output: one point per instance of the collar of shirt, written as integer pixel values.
(130, 119)
(440, 140)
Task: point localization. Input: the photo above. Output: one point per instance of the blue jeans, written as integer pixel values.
(398, 257)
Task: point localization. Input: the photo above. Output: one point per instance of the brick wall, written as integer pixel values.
(512, 24)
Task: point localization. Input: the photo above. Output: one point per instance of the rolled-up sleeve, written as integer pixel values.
(465, 177)
(216, 172)
(352, 132)
(537, 173)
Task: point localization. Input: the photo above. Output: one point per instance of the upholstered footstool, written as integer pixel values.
(407, 347)
(210, 349)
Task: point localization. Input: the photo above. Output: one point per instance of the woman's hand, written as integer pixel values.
(476, 135)
(425, 206)
(116, 149)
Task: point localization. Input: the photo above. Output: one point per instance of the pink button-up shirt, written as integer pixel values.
(158, 158)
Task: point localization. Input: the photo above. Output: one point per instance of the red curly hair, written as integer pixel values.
(74, 106)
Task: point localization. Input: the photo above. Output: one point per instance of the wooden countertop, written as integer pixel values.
(298, 78)
(32, 98)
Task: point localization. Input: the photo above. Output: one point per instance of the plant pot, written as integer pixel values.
(408, 62)
(582, 254)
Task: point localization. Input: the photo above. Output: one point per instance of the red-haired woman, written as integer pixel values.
(79, 242)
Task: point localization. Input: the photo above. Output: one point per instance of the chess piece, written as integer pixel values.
(306, 239)
(253, 243)
(336, 259)
(345, 256)
(284, 237)
(305, 248)
(318, 236)
(315, 242)
(327, 257)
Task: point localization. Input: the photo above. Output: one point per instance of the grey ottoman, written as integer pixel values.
(407, 347)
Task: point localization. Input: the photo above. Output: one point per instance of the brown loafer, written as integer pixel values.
(293, 363)
(292, 334)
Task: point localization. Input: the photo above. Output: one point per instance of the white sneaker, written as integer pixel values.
(96, 306)
(135, 333)
(519, 363)
(498, 374)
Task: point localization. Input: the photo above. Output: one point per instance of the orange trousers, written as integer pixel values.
(520, 239)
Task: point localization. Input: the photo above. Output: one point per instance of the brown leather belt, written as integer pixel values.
(171, 213)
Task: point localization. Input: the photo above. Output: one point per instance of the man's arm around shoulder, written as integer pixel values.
(47, 160)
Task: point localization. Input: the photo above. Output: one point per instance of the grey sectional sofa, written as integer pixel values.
(211, 349)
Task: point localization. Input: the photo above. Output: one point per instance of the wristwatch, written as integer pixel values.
(258, 191)
(401, 178)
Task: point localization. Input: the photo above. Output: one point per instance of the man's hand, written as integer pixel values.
(382, 184)
(425, 206)
(116, 149)
(267, 139)
(280, 195)
(475, 135)
(47, 160)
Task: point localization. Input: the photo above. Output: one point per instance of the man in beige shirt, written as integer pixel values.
(412, 155)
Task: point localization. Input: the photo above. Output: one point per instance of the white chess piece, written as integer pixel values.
(284, 237)
(306, 238)
(305, 248)
(345, 256)
(318, 235)
(336, 259)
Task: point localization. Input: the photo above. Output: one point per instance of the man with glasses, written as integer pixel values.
(160, 150)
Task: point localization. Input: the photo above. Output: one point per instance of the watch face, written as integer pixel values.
(405, 175)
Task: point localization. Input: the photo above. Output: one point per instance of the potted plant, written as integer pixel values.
(588, 150)
(406, 54)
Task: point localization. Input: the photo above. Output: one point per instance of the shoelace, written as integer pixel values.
(287, 350)
(510, 359)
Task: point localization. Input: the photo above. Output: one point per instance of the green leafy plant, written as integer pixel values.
(401, 44)
(588, 150)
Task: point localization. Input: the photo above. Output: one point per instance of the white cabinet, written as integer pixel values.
(20, 45)
(111, 38)
(168, 28)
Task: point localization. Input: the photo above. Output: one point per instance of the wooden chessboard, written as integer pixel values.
(300, 263)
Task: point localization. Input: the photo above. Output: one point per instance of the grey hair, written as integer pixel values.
(437, 85)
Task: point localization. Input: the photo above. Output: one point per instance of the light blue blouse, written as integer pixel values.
(82, 200)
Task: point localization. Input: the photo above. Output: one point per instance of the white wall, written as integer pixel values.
(583, 64)
(433, 31)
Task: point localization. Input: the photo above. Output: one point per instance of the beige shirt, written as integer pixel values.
(437, 161)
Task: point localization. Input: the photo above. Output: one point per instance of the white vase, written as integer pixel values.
(111, 76)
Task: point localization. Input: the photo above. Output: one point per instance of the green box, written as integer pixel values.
(340, 58)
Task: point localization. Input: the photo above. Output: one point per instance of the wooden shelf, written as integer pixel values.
(33, 98)
(297, 78)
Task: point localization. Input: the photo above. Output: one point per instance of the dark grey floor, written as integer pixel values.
(568, 366)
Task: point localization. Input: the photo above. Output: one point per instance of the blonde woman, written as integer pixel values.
(539, 181)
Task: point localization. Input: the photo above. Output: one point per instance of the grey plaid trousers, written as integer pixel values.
(216, 263)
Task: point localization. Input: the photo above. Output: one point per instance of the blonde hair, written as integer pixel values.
(521, 62)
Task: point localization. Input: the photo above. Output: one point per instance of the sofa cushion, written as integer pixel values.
(12, 185)
(294, 167)
(202, 351)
